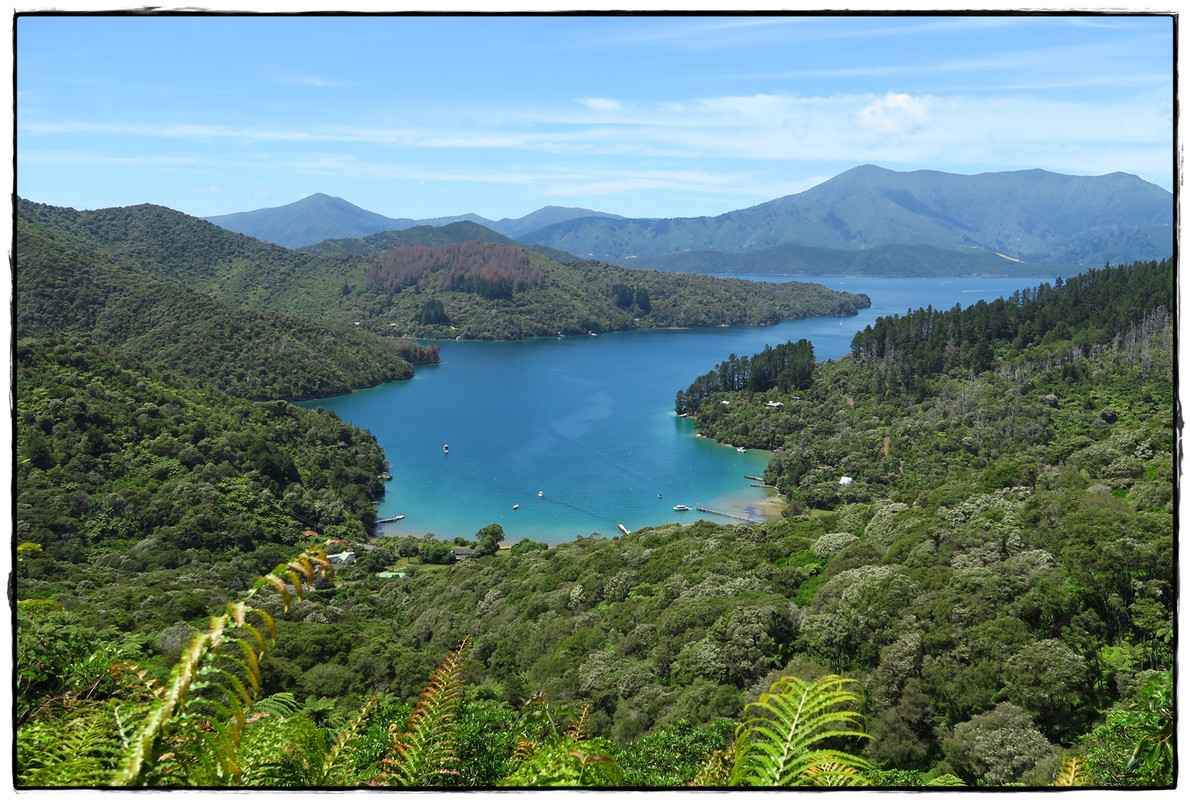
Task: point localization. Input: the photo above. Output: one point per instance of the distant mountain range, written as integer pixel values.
(320, 217)
(867, 220)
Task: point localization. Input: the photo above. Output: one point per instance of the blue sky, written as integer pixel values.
(644, 116)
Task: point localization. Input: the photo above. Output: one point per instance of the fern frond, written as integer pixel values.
(186, 734)
(776, 746)
(80, 751)
(336, 768)
(281, 704)
(424, 750)
(1073, 772)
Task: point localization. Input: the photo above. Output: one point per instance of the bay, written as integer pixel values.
(560, 438)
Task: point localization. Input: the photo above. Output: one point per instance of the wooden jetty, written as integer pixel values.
(749, 520)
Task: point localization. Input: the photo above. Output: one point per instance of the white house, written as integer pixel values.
(344, 559)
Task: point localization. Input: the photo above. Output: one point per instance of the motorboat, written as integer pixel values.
(680, 507)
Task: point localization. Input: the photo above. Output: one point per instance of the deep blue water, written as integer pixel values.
(589, 423)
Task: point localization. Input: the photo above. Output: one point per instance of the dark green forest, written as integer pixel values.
(64, 289)
(973, 583)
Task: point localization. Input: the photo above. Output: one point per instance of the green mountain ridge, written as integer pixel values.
(329, 282)
(64, 289)
(1032, 215)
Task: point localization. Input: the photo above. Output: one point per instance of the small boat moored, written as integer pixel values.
(680, 507)
(445, 448)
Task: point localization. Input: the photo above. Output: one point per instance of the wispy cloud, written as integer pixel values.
(292, 79)
(657, 142)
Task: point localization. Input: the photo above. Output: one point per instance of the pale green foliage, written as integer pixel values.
(780, 744)
(830, 544)
(998, 746)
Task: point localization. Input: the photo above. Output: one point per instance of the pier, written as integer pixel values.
(749, 520)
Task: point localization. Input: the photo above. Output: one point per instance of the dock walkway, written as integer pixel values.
(749, 520)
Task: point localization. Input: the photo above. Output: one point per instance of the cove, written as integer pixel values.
(560, 438)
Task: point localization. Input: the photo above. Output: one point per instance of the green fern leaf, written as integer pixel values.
(778, 745)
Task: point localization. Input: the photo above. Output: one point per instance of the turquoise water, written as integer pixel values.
(589, 423)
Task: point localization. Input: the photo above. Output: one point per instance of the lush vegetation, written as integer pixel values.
(117, 458)
(988, 600)
(66, 289)
(485, 285)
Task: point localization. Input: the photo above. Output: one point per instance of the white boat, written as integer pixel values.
(445, 448)
(623, 530)
(516, 506)
(541, 494)
(681, 507)
(741, 449)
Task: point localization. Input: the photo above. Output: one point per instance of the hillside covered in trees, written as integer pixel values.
(65, 289)
(994, 580)
(450, 298)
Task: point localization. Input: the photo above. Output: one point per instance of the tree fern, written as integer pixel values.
(189, 733)
(779, 744)
(427, 748)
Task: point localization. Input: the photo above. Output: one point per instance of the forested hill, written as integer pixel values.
(426, 235)
(1028, 215)
(572, 297)
(66, 289)
(929, 393)
(123, 465)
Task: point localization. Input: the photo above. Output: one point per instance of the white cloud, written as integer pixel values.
(602, 104)
(896, 113)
